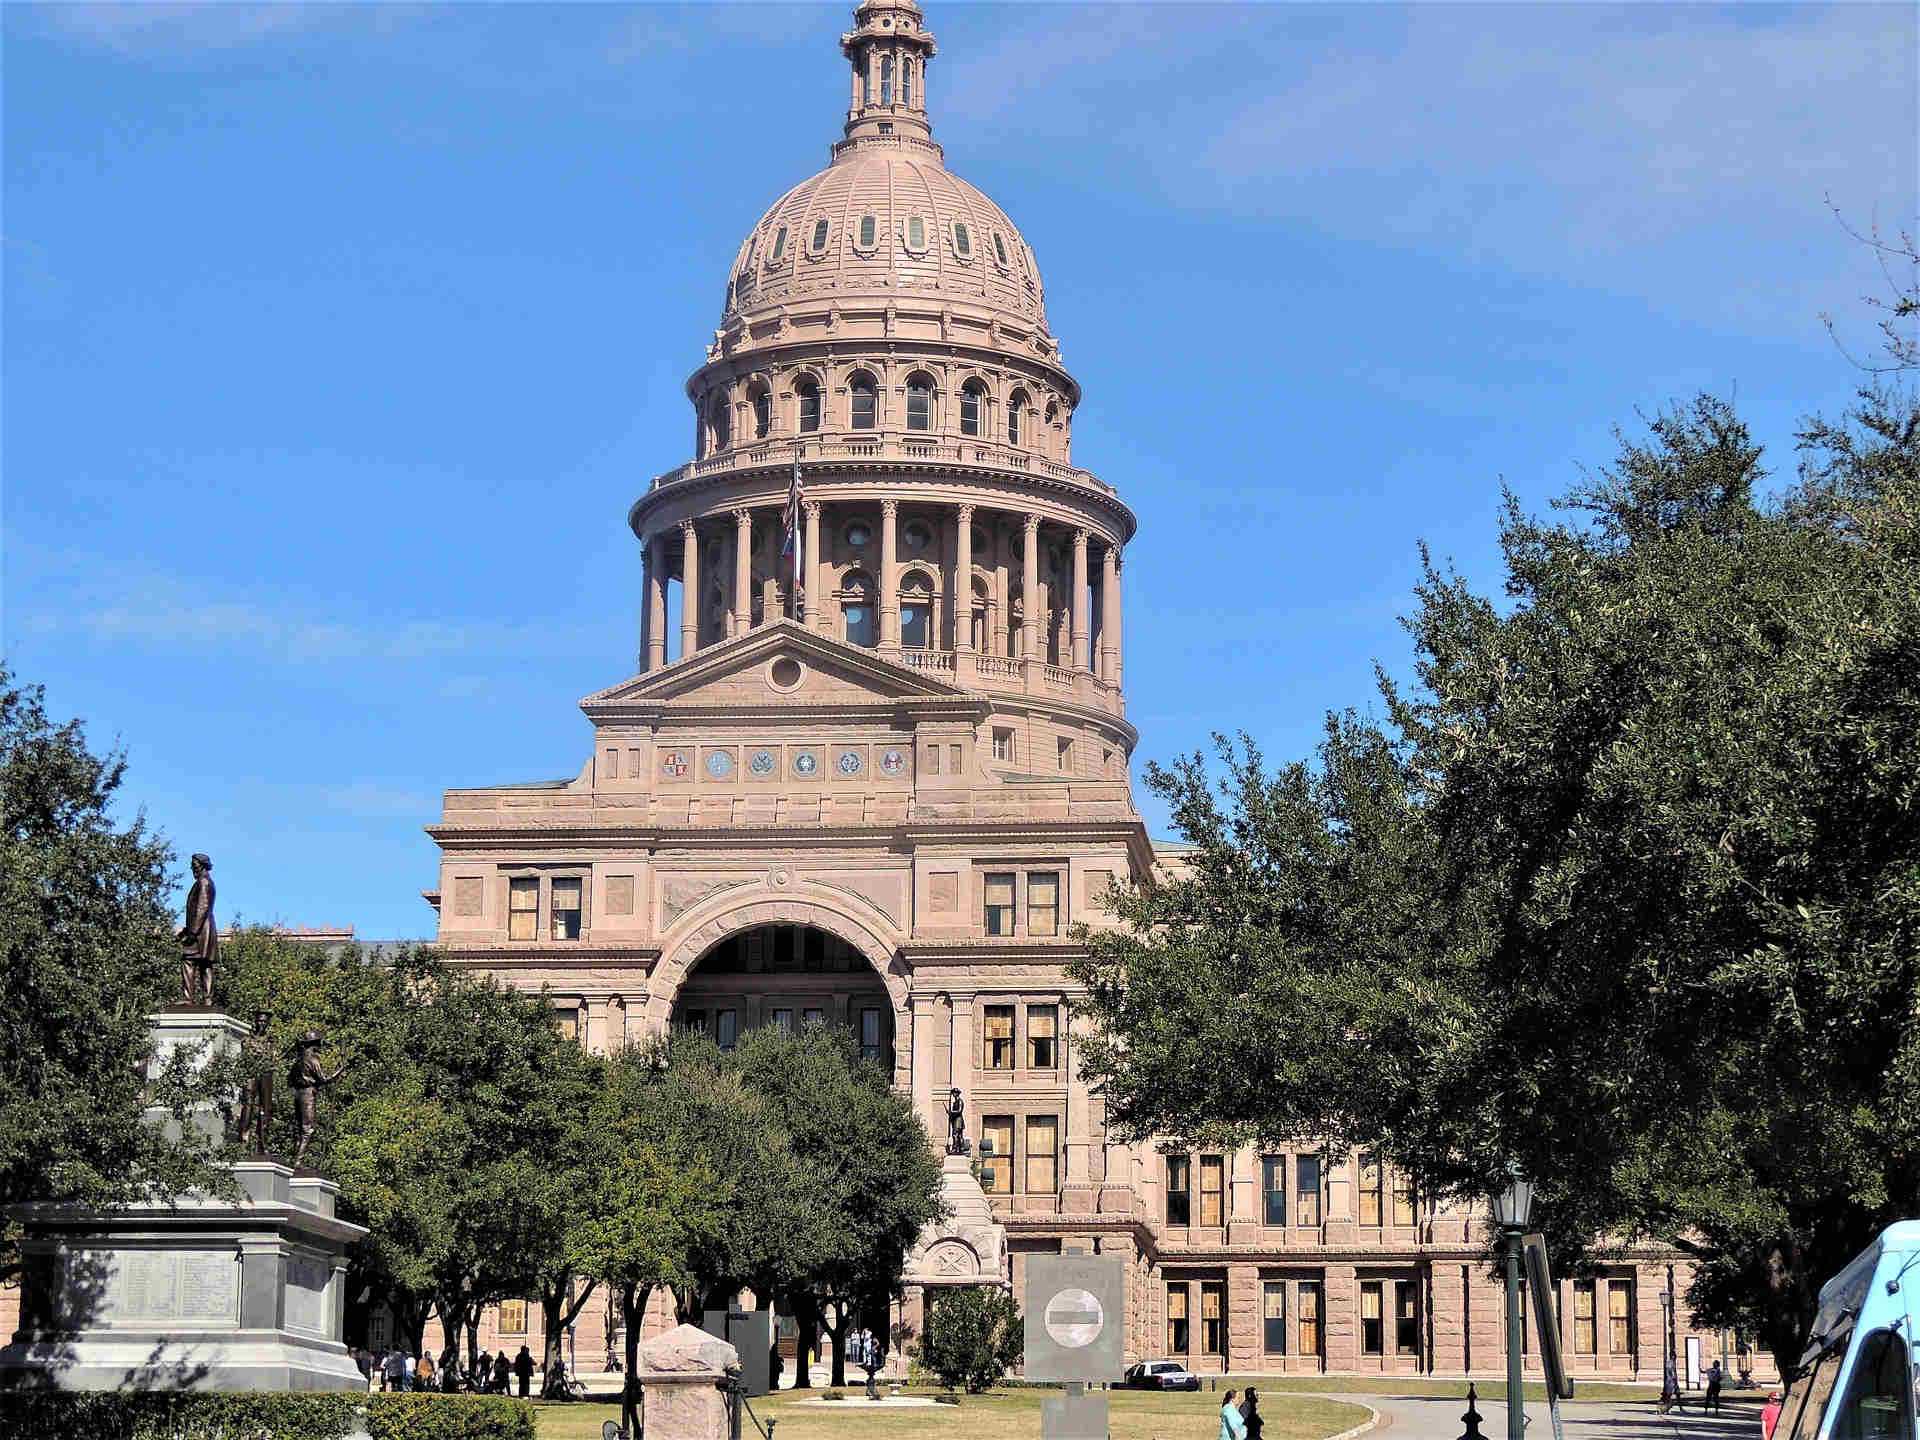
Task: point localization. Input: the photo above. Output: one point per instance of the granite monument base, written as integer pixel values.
(202, 1294)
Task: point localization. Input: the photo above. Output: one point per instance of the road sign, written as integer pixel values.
(750, 1332)
(1075, 1313)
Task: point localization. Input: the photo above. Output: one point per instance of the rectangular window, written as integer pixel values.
(1372, 1328)
(1003, 744)
(863, 400)
(999, 1037)
(996, 1150)
(694, 1021)
(1273, 1316)
(726, 1028)
(523, 909)
(762, 413)
(513, 1317)
(1585, 1322)
(566, 908)
(999, 905)
(1369, 1189)
(1405, 1209)
(819, 236)
(1406, 1318)
(1306, 1189)
(1177, 1334)
(1213, 1317)
(1043, 1024)
(916, 625)
(1063, 754)
(812, 1016)
(1309, 1317)
(1620, 1317)
(933, 759)
(919, 408)
(1273, 1189)
(1179, 1190)
(783, 1021)
(1043, 1154)
(1043, 902)
(1213, 1184)
(916, 233)
(870, 1048)
(868, 231)
(809, 408)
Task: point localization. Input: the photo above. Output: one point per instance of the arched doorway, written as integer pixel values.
(787, 975)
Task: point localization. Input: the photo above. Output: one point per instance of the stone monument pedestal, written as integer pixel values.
(680, 1374)
(969, 1247)
(196, 1293)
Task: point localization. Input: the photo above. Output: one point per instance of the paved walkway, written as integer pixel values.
(1408, 1417)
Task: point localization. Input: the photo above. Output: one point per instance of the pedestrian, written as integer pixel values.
(1232, 1427)
(482, 1377)
(423, 1371)
(1711, 1405)
(1770, 1415)
(395, 1371)
(1250, 1414)
(500, 1372)
(523, 1369)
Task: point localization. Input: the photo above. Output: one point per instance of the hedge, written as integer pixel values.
(151, 1415)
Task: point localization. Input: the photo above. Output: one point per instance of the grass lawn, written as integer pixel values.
(1002, 1415)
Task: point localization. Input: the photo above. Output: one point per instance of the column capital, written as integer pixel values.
(741, 515)
(889, 507)
(1031, 524)
(965, 512)
(1080, 538)
(686, 528)
(812, 508)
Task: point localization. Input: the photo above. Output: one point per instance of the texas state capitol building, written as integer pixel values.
(881, 798)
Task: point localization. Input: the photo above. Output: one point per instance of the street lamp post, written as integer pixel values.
(1512, 1210)
(1669, 1373)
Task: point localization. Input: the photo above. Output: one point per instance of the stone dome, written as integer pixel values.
(881, 222)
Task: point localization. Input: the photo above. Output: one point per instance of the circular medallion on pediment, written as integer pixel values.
(805, 763)
(785, 673)
(893, 762)
(761, 763)
(673, 764)
(719, 764)
(850, 762)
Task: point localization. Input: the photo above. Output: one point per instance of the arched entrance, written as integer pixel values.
(787, 975)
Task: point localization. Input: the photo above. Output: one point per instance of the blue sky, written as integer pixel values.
(339, 338)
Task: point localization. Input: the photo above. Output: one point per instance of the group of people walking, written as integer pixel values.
(396, 1370)
(1242, 1421)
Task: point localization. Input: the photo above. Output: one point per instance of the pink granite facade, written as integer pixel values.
(874, 766)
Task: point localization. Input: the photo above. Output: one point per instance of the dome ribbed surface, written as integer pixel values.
(988, 264)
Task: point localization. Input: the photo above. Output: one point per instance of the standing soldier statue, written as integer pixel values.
(307, 1078)
(957, 1124)
(256, 1096)
(199, 940)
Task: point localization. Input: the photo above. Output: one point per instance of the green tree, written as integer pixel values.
(973, 1337)
(89, 953)
(1626, 888)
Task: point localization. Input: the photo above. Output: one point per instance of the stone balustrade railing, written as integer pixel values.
(884, 445)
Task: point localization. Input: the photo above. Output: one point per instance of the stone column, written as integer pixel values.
(1082, 656)
(889, 575)
(1110, 615)
(742, 571)
(646, 605)
(816, 606)
(1030, 600)
(689, 590)
(963, 580)
(926, 1104)
(1119, 646)
(656, 603)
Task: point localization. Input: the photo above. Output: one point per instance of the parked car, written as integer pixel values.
(1160, 1375)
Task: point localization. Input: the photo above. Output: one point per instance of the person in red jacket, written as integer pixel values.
(1770, 1415)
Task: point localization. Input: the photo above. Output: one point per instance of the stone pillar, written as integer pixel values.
(1082, 633)
(646, 607)
(656, 603)
(926, 1104)
(889, 575)
(963, 580)
(816, 606)
(1340, 1319)
(689, 590)
(1030, 599)
(1110, 616)
(742, 571)
(960, 1055)
(681, 1371)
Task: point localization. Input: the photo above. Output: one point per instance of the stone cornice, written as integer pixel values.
(578, 955)
(976, 950)
(614, 834)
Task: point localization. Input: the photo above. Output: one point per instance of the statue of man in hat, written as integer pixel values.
(199, 939)
(256, 1095)
(307, 1078)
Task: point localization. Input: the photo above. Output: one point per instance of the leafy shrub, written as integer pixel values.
(155, 1415)
(448, 1417)
(972, 1338)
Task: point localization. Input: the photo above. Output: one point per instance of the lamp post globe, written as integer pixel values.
(1512, 1212)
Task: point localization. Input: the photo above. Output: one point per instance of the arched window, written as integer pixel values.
(869, 232)
(886, 79)
(982, 603)
(820, 228)
(906, 82)
(962, 241)
(779, 246)
(1015, 404)
(919, 403)
(809, 394)
(719, 424)
(762, 412)
(916, 233)
(863, 395)
(971, 396)
(1000, 247)
(1052, 436)
(857, 617)
(916, 612)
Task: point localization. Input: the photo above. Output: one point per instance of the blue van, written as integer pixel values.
(1860, 1376)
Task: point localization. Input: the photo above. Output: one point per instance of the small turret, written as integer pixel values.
(889, 51)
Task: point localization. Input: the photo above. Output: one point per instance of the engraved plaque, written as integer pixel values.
(467, 890)
(209, 1289)
(620, 894)
(307, 1279)
(943, 890)
(141, 1288)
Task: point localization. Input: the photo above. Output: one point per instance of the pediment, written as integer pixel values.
(779, 665)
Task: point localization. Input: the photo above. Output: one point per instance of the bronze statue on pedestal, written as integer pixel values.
(199, 940)
(307, 1078)
(256, 1095)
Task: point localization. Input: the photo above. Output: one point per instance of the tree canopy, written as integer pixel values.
(1625, 887)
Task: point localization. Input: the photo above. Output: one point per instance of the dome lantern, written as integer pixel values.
(888, 49)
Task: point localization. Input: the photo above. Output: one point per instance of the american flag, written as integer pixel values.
(796, 492)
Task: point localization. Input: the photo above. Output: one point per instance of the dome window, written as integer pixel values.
(906, 80)
(916, 233)
(869, 232)
(863, 397)
(809, 394)
(962, 241)
(919, 403)
(886, 80)
(719, 424)
(762, 413)
(820, 228)
(1014, 407)
(858, 534)
(779, 246)
(1000, 248)
(971, 395)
